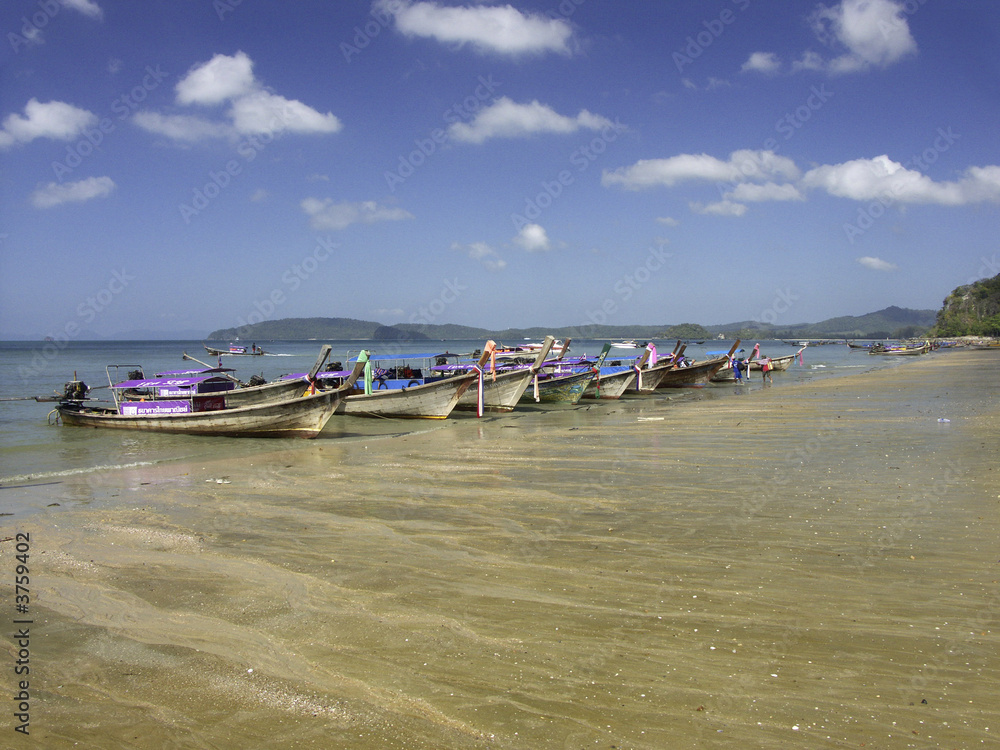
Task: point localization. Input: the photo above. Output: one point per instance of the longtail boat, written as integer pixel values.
(559, 387)
(402, 386)
(562, 381)
(613, 381)
(197, 406)
(696, 374)
(726, 375)
(653, 368)
(901, 350)
(244, 394)
(503, 388)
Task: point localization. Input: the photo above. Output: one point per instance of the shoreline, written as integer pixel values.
(799, 565)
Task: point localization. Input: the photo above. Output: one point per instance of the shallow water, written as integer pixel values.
(801, 566)
(33, 451)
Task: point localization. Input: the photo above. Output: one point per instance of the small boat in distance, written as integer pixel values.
(235, 350)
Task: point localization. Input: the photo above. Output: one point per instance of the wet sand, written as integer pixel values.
(811, 565)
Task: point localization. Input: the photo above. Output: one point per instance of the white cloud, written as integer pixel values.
(253, 110)
(501, 29)
(55, 194)
(881, 177)
(762, 62)
(759, 176)
(721, 208)
(668, 221)
(325, 214)
(484, 254)
(263, 112)
(877, 264)
(56, 120)
(888, 181)
(508, 119)
(742, 165)
(182, 127)
(222, 78)
(533, 238)
(874, 32)
(809, 61)
(87, 7)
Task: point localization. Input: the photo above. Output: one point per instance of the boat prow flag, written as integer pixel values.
(652, 354)
(363, 357)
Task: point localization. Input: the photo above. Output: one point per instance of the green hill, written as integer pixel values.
(295, 329)
(892, 322)
(971, 310)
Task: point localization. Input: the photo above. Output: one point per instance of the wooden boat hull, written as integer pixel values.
(610, 386)
(652, 376)
(435, 400)
(695, 375)
(279, 390)
(562, 389)
(908, 352)
(302, 417)
(500, 395)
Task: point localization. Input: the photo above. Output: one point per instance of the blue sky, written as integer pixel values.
(186, 165)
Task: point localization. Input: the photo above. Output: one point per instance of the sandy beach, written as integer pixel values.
(803, 565)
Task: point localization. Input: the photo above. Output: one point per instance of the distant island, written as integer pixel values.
(892, 322)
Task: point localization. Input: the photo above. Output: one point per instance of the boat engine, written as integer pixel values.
(75, 390)
(257, 380)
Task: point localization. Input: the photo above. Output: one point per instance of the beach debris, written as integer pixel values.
(944, 421)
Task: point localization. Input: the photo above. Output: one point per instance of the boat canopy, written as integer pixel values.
(191, 372)
(170, 382)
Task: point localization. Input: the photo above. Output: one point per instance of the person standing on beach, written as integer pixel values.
(765, 368)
